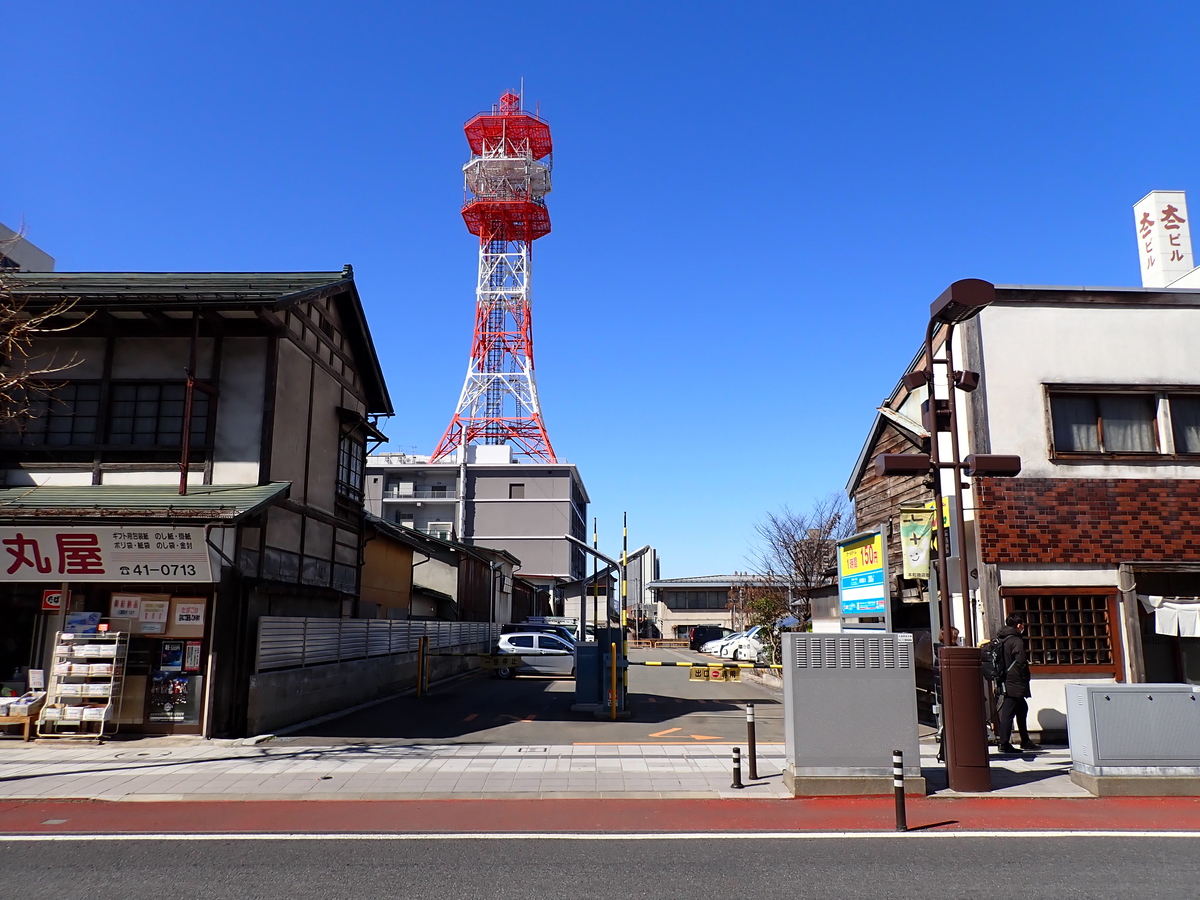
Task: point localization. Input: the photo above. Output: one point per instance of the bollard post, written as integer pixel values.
(898, 784)
(737, 768)
(751, 750)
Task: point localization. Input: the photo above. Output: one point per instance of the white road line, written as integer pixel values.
(586, 836)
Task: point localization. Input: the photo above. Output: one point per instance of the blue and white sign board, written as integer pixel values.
(862, 579)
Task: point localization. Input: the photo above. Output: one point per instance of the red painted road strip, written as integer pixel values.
(596, 815)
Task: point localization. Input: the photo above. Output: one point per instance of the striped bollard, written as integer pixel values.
(751, 749)
(898, 784)
(737, 768)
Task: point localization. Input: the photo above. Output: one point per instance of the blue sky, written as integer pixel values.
(754, 203)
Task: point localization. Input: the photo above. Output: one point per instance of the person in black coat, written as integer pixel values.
(1015, 687)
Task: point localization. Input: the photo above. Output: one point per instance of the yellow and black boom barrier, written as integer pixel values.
(702, 665)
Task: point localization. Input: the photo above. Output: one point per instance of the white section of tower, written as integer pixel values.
(497, 175)
(503, 299)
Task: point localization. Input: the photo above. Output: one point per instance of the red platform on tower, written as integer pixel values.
(506, 220)
(509, 123)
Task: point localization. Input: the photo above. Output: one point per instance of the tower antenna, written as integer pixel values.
(507, 179)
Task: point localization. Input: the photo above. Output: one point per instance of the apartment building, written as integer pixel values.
(489, 500)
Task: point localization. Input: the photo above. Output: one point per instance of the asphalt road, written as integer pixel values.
(667, 708)
(532, 869)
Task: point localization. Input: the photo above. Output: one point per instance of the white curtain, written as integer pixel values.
(1128, 423)
(1075, 423)
(1185, 416)
(1174, 615)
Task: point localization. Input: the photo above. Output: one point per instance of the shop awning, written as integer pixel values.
(138, 502)
(1173, 615)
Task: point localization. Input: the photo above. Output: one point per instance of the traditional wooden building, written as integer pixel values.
(205, 441)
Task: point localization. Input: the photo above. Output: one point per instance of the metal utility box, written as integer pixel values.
(1134, 729)
(587, 674)
(849, 701)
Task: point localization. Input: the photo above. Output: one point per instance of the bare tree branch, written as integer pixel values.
(26, 377)
(794, 557)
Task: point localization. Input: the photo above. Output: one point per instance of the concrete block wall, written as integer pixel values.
(289, 696)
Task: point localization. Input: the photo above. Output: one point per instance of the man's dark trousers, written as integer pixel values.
(1013, 706)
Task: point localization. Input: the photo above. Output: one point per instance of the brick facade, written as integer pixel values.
(1089, 520)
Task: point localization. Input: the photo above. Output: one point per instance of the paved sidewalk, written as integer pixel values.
(289, 769)
(281, 769)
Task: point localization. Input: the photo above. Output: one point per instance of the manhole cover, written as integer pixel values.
(143, 754)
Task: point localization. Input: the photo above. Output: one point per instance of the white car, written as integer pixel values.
(717, 647)
(541, 654)
(745, 646)
(713, 646)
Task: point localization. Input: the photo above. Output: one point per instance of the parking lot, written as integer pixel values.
(666, 707)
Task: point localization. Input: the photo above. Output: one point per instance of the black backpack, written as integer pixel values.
(993, 666)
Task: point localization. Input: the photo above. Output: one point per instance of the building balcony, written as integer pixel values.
(443, 494)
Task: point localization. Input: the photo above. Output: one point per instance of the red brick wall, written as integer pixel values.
(1089, 520)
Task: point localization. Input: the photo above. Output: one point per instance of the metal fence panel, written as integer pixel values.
(354, 639)
(280, 643)
(288, 642)
(379, 637)
(322, 638)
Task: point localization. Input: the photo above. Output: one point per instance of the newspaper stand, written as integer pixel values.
(86, 679)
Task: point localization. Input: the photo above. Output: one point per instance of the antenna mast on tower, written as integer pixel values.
(507, 179)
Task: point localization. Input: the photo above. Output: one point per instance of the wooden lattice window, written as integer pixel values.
(1069, 631)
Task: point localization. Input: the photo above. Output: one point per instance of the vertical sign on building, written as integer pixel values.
(1164, 237)
(862, 580)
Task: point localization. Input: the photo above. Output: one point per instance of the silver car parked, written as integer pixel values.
(541, 654)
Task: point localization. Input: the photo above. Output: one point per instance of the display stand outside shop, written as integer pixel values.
(86, 680)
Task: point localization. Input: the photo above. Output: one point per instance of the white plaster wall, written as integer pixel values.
(1072, 576)
(435, 574)
(1025, 347)
(195, 476)
(85, 356)
(165, 358)
(239, 411)
(22, 478)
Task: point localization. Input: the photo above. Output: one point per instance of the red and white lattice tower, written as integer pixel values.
(507, 179)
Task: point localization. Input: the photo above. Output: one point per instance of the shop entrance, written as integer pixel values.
(162, 688)
(1168, 658)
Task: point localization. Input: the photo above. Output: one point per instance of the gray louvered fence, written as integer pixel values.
(292, 642)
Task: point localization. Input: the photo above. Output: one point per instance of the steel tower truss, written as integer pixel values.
(507, 179)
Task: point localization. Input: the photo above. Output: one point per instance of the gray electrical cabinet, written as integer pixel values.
(849, 701)
(1134, 729)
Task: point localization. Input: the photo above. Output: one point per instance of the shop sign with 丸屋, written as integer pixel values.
(862, 579)
(121, 553)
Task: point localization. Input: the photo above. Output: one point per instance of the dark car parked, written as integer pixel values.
(702, 634)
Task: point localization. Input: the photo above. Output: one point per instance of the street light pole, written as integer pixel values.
(964, 735)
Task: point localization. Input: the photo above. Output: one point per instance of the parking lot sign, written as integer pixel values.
(862, 578)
